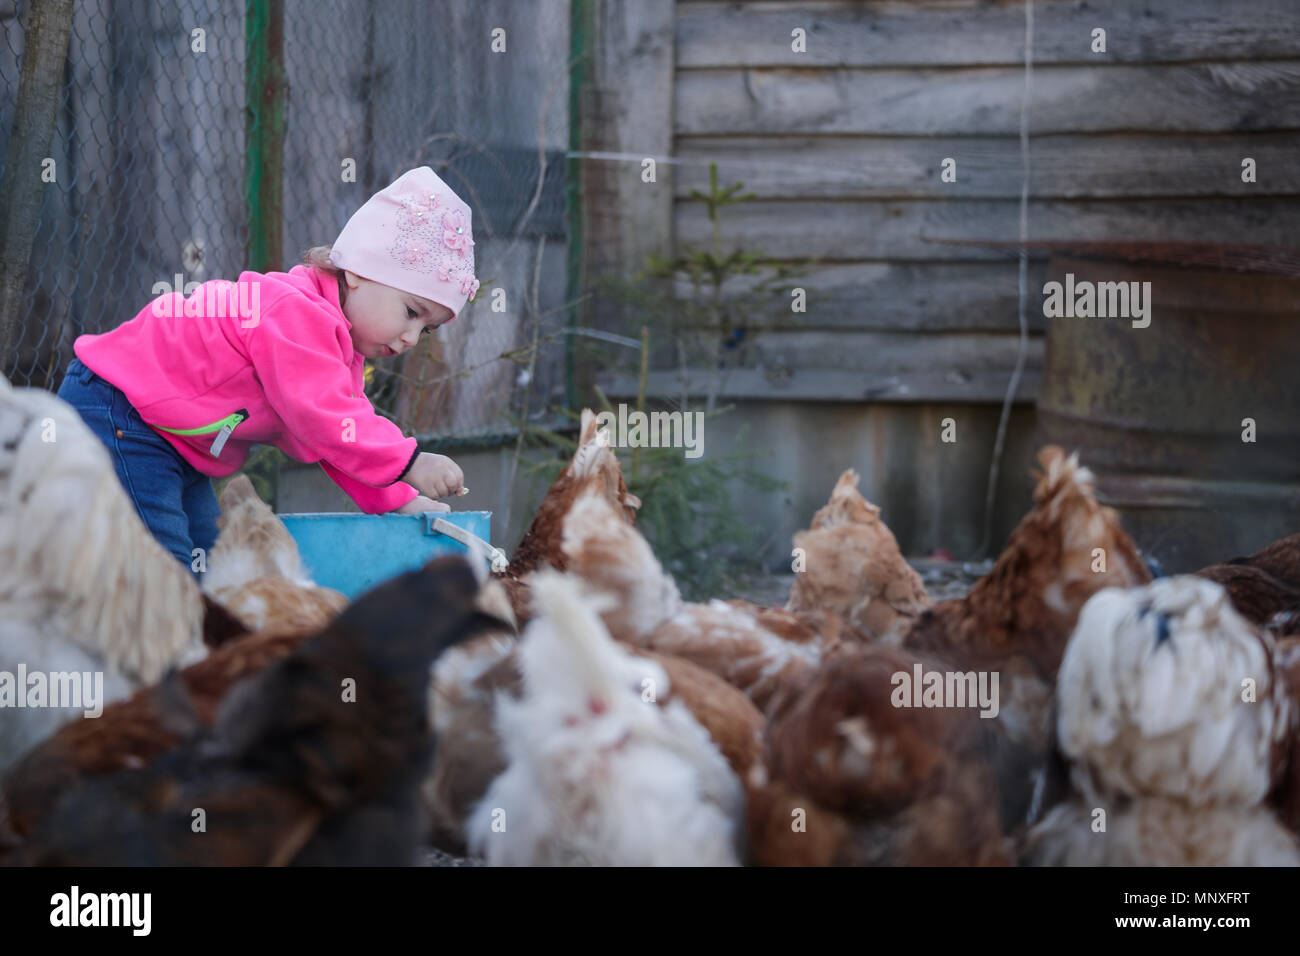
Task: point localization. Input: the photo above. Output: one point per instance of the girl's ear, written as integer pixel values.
(351, 278)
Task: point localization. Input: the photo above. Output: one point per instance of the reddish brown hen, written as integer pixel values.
(256, 572)
(133, 733)
(1256, 594)
(594, 466)
(857, 780)
(853, 567)
(1018, 618)
(1280, 559)
(755, 649)
(1286, 798)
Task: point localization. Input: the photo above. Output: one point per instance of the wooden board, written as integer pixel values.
(1062, 166)
(860, 366)
(985, 101)
(905, 229)
(629, 110)
(899, 296)
(972, 32)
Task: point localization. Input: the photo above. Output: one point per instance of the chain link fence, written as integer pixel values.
(151, 156)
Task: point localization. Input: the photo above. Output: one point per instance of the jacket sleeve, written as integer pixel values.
(371, 500)
(301, 357)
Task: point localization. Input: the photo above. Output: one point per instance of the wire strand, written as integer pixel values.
(1022, 280)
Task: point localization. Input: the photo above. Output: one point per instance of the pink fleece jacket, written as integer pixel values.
(273, 348)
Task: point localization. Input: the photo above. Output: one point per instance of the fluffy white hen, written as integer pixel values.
(84, 586)
(598, 773)
(1167, 691)
(1173, 719)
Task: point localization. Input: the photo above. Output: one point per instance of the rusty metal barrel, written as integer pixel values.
(1163, 415)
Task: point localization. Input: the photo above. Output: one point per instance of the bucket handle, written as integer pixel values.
(477, 546)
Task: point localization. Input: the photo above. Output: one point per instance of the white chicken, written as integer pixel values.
(84, 587)
(1174, 719)
(597, 773)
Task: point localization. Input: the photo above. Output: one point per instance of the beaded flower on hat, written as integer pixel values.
(417, 211)
(431, 239)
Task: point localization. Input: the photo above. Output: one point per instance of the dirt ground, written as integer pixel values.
(943, 580)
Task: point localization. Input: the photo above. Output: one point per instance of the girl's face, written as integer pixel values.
(387, 321)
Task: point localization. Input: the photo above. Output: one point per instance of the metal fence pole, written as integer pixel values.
(40, 92)
(266, 90)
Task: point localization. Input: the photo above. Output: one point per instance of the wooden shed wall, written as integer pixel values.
(843, 146)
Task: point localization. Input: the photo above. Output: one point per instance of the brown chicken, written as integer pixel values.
(1256, 594)
(755, 649)
(317, 761)
(852, 566)
(134, 732)
(856, 778)
(255, 571)
(1280, 559)
(594, 466)
(1018, 618)
(1286, 798)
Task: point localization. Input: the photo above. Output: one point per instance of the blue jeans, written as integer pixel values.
(173, 498)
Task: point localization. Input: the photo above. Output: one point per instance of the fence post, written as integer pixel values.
(626, 99)
(580, 16)
(40, 89)
(265, 92)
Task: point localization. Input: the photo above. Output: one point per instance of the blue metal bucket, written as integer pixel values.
(354, 552)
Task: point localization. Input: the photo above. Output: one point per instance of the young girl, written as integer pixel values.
(182, 392)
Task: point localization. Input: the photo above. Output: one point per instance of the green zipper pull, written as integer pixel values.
(219, 442)
(223, 428)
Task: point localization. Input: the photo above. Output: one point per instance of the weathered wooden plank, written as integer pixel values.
(985, 101)
(907, 229)
(967, 297)
(972, 32)
(1062, 166)
(631, 113)
(850, 365)
(914, 296)
(814, 384)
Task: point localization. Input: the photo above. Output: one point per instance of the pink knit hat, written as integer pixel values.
(415, 236)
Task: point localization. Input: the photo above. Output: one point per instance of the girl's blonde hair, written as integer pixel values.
(319, 257)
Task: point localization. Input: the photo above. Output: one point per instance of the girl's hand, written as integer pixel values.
(435, 476)
(419, 504)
